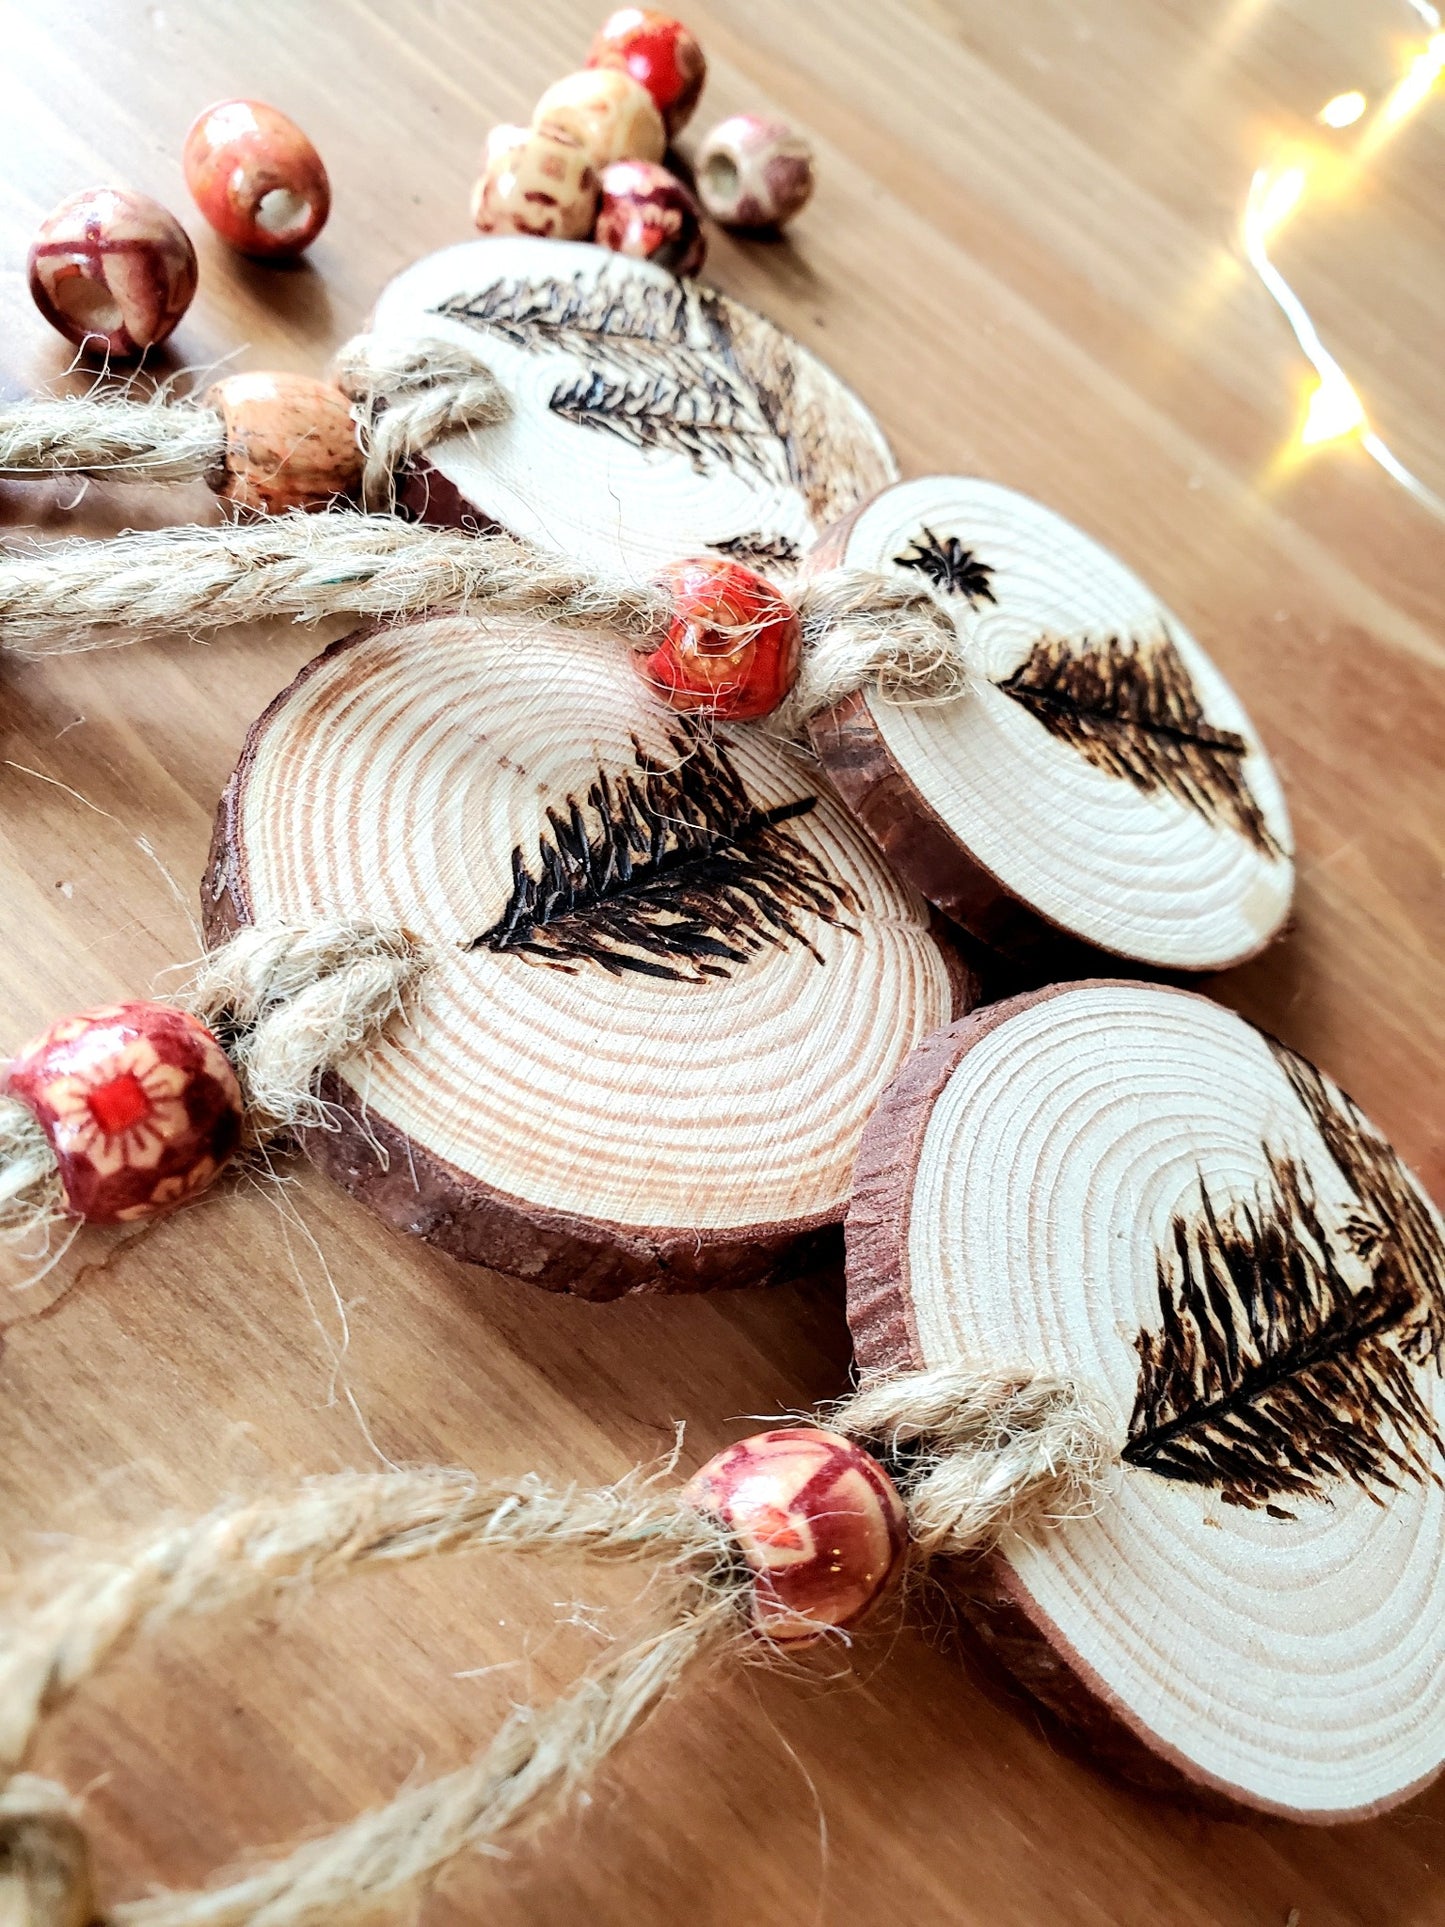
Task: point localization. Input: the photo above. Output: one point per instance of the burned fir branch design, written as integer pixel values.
(949, 566)
(1128, 705)
(668, 870)
(1272, 1375)
(658, 372)
(702, 420)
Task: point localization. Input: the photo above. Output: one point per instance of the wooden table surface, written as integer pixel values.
(1023, 254)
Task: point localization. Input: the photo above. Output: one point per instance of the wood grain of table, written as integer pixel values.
(1023, 254)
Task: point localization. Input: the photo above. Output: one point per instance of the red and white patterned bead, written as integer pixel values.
(648, 213)
(139, 1103)
(609, 112)
(733, 647)
(536, 180)
(112, 270)
(754, 172)
(818, 1522)
(660, 53)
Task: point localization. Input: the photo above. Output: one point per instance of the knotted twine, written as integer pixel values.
(404, 396)
(976, 1454)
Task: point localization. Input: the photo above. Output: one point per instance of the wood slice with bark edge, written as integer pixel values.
(659, 1016)
(1100, 780)
(1130, 1185)
(652, 417)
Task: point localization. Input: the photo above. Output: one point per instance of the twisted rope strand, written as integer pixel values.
(293, 1001)
(408, 395)
(299, 566)
(113, 439)
(250, 1554)
(979, 1451)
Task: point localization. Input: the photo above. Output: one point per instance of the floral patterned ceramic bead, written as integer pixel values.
(536, 180)
(112, 270)
(609, 112)
(659, 53)
(290, 442)
(734, 645)
(648, 213)
(257, 179)
(754, 172)
(817, 1520)
(139, 1103)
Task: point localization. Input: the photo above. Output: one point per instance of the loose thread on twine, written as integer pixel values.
(978, 1453)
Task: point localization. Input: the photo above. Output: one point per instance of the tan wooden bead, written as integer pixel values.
(613, 115)
(290, 442)
(754, 172)
(536, 180)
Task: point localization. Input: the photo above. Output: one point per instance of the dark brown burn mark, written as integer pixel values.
(657, 371)
(1128, 705)
(949, 566)
(759, 551)
(1271, 1375)
(669, 870)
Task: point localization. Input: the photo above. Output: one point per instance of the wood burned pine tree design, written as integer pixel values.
(1129, 706)
(669, 870)
(1272, 1374)
(656, 370)
(680, 369)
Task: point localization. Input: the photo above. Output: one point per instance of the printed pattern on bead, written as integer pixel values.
(139, 1103)
(659, 53)
(112, 270)
(648, 213)
(817, 1520)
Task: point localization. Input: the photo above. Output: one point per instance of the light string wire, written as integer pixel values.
(1276, 193)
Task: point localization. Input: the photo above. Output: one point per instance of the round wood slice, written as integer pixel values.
(652, 418)
(671, 976)
(1101, 778)
(1130, 1185)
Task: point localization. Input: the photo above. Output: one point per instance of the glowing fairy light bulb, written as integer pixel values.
(1344, 110)
(1335, 410)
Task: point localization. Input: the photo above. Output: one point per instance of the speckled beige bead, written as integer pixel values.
(614, 116)
(754, 172)
(536, 180)
(290, 442)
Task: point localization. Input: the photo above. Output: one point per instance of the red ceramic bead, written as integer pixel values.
(257, 179)
(734, 645)
(140, 1105)
(660, 53)
(817, 1520)
(754, 172)
(112, 270)
(647, 212)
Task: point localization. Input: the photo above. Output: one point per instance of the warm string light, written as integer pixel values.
(1335, 412)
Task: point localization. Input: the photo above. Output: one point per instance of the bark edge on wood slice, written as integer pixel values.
(1099, 781)
(1128, 1184)
(652, 418)
(654, 1083)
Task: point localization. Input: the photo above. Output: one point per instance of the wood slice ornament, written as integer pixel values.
(671, 976)
(1099, 779)
(651, 417)
(1130, 1186)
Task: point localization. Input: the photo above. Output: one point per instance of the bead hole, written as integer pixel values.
(720, 171)
(90, 304)
(281, 210)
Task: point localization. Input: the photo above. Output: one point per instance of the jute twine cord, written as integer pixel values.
(116, 440)
(290, 1002)
(407, 395)
(977, 1453)
(859, 629)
